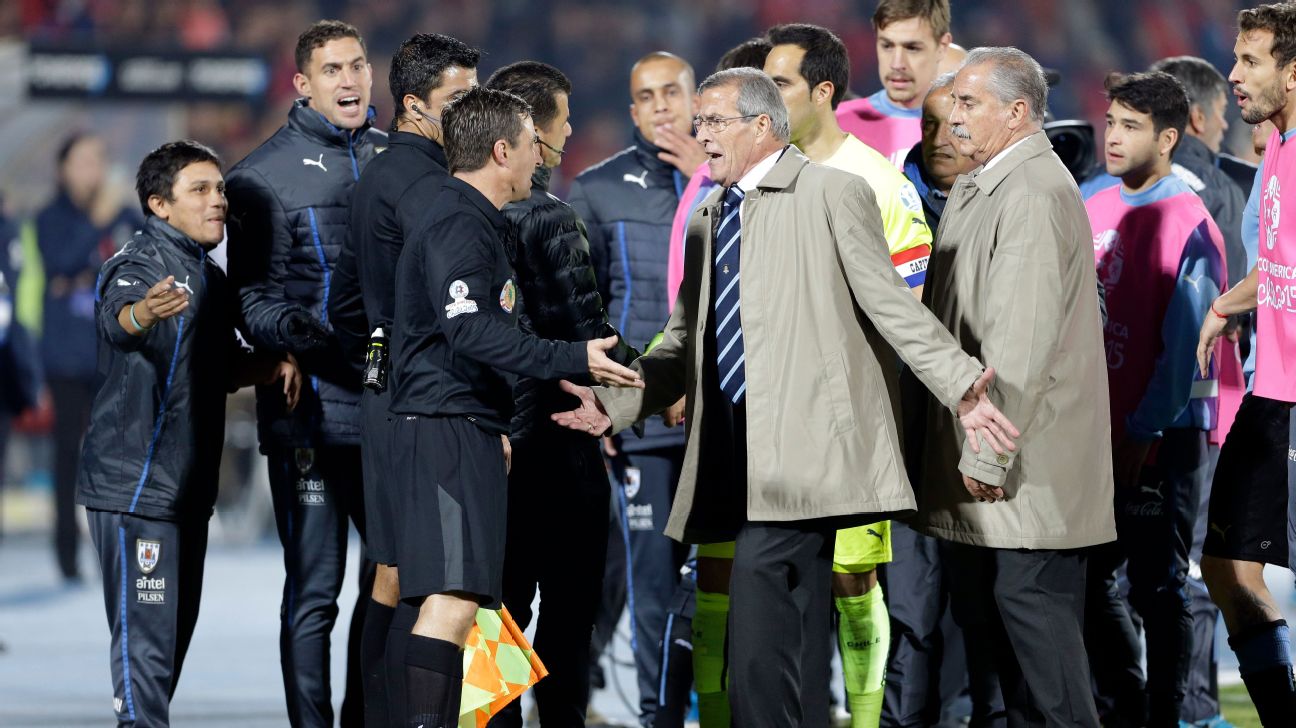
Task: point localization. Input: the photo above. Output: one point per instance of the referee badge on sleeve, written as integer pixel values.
(508, 296)
(460, 304)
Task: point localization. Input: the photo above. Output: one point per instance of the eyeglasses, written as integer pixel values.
(717, 124)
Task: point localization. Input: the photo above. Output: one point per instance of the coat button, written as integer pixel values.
(1003, 459)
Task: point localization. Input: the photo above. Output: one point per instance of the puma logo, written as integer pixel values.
(1196, 282)
(871, 532)
(1223, 532)
(1151, 490)
(184, 285)
(641, 180)
(315, 163)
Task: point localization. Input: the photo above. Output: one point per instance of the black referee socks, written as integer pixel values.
(398, 635)
(433, 682)
(373, 643)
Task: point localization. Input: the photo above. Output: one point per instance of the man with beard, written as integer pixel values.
(1252, 518)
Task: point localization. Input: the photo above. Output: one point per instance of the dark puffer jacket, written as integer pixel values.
(1196, 165)
(157, 426)
(289, 210)
(628, 203)
(560, 297)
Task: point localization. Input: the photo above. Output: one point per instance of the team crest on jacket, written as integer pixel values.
(305, 457)
(508, 296)
(147, 553)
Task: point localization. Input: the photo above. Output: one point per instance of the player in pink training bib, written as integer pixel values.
(1247, 514)
(1161, 259)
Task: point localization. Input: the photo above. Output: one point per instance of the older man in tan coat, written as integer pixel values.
(786, 353)
(1012, 277)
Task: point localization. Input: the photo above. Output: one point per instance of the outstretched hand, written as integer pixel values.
(589, 417)
(606, 371)
(980, 418)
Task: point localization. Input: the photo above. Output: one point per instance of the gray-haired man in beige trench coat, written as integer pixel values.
(1012, 276)
(791, 429)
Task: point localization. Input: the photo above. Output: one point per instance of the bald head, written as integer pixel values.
(661, 94)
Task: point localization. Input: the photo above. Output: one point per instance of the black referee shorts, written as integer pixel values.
(1248, 501)
(453, 507)
(380, 487)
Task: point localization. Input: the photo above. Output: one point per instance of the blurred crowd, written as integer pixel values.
(1082, 40)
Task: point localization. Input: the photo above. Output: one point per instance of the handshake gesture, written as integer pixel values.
(980, 418)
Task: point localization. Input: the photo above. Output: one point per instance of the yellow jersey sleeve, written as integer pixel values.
(903, 222)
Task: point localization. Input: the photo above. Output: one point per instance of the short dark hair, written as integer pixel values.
(1200, 79)
(419, 62)
(475, 121)
(536, 83)
(750, 53)
(1277, 18)
(157, 173)
(935, 12)
(825, 55)
(1155, 93)
(321, 32)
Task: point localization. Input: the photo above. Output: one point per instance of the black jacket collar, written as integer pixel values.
(421, 143)
(1194, 153)
(160, 229)
(540, 180)
(479, 201)
(647, 152)
(312, 123)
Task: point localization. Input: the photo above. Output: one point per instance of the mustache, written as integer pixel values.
(959, 131)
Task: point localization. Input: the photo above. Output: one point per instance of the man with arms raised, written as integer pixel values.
(810, 67)
(787, 271)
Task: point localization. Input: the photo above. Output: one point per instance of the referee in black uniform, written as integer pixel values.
(456, 336)
(394, 190)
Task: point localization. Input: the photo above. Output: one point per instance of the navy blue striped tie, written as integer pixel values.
(729, 339)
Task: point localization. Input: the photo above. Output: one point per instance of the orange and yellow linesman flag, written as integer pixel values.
(499, 665)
